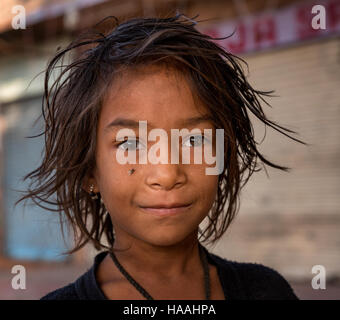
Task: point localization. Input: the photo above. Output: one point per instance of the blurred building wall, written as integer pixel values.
(28, 232)
(291, 221)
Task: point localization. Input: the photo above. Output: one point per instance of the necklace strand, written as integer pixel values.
(205, 265)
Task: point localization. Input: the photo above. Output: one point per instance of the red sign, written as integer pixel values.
(276, 28)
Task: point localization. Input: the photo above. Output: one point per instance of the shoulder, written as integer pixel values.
(263, 282)
(67, 292)
(83, 288)
(258, 281)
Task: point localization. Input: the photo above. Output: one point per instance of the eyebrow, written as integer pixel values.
(122, 122)
(130, 123)
(196, 120)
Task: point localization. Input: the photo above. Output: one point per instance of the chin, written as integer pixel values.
(166, 239)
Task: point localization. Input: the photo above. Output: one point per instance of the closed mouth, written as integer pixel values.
(164, 209)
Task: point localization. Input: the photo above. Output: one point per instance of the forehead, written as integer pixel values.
(161, 95)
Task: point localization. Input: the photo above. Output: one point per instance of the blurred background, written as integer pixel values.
(287, 221)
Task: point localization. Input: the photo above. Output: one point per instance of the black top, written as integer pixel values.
(240, 281)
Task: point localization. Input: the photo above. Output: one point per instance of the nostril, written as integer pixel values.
(165, 177)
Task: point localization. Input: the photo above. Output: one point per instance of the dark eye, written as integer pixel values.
(129, 145)
(194, 141)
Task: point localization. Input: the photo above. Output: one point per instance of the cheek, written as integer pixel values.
(113, 180)
(116, 183)
(205, 186)
(110, 172)
(210, 188)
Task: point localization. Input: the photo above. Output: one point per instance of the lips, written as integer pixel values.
(166, 209)
(166, 205)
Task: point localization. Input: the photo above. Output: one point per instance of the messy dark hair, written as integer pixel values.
(72, 103)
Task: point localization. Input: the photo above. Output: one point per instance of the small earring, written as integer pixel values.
(131, 171)
(93, 195)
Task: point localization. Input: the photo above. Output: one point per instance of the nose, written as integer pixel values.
(165, 177)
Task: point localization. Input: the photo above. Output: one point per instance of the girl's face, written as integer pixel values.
(163, 98)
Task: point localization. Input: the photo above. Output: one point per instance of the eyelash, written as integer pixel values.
(204, 140)
(128, 140)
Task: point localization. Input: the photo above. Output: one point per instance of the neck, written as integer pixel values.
(164, 261)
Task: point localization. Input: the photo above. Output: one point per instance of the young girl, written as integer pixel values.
(169, 75)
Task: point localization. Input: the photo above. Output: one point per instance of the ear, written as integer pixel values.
(87, 182)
